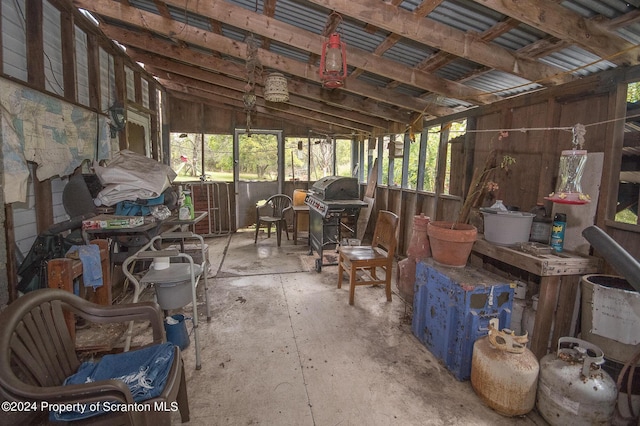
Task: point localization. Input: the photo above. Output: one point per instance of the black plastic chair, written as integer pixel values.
(273, 212)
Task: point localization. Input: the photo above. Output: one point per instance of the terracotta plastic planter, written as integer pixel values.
(451, 243)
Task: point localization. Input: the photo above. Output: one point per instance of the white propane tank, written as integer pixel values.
(504, 373)
(573, 389)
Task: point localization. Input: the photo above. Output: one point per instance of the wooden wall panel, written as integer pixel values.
(185, 117)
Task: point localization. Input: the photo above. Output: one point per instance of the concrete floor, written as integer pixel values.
(285, 348)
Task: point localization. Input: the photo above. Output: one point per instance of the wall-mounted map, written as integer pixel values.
(55, 134)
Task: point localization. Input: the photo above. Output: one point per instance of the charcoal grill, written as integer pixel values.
(334, 205)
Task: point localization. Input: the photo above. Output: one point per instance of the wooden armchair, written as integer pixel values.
(273, 212)
(362, 262)
(37, 354)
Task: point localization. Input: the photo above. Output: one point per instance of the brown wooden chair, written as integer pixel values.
(362, 262)
(37, 354)
(273, 212)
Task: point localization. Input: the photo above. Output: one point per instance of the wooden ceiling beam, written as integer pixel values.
(289, 34)
(423, 9)
(306, 40)
(560, 22)
(144, 42)
(184, 73)
(229, 97)
(443, 37)
(238, 49)
(189, 95)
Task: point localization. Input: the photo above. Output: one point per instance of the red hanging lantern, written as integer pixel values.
(333, 62)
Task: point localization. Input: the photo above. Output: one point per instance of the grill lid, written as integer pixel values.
(336, 188)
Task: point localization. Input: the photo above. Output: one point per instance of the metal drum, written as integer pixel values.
(573, 389)
(504, 373)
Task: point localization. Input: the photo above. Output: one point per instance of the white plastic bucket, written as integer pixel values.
(506, 228)
(173, 295)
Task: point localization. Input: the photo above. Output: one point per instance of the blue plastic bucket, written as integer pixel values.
(177, 333)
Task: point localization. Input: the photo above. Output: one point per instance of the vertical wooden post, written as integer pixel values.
(60, 275)
(544, 315)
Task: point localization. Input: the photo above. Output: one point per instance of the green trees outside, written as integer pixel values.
(185, 154)
(630, 213)
(633, 92)
(219, 154)
(258, 157)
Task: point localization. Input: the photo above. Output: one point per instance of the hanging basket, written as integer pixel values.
(275, 88)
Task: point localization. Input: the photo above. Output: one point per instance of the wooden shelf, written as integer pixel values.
(544, 265)
(559, 282)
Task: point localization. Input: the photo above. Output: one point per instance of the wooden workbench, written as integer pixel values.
(559, 280)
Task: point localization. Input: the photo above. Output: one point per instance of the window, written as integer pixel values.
(258, 156)
(14, 39)
(383, 158)
(186, 155)
(145, 93)
(413, 162)
(396, 156)
(53, 74)
(107, 81)
(321, 157)
(431, 158)
(629, 180)
(371, 154)
(454, 134)
(82, 67)
(295, 159)
(218, 157)
(343, 157)
(131, 84)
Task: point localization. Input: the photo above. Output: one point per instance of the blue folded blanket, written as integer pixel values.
(145, 371)
(91, 265)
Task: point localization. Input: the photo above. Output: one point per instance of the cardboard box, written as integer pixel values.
(108, 221)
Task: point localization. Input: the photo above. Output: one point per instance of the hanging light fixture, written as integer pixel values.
(275, 88)
(333, 62)
(572, 162)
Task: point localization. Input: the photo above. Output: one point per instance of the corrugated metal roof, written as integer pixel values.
(464, 16)
(439, 100)
(457, 69)
(408, 53)
(501, 83)
(145, 5)
(309, 18)
(409, 90)
(577, 61)
(590, 8)
(374, 79)
(355, 35)
(189, 18)
(288, 51)
(519, 37)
